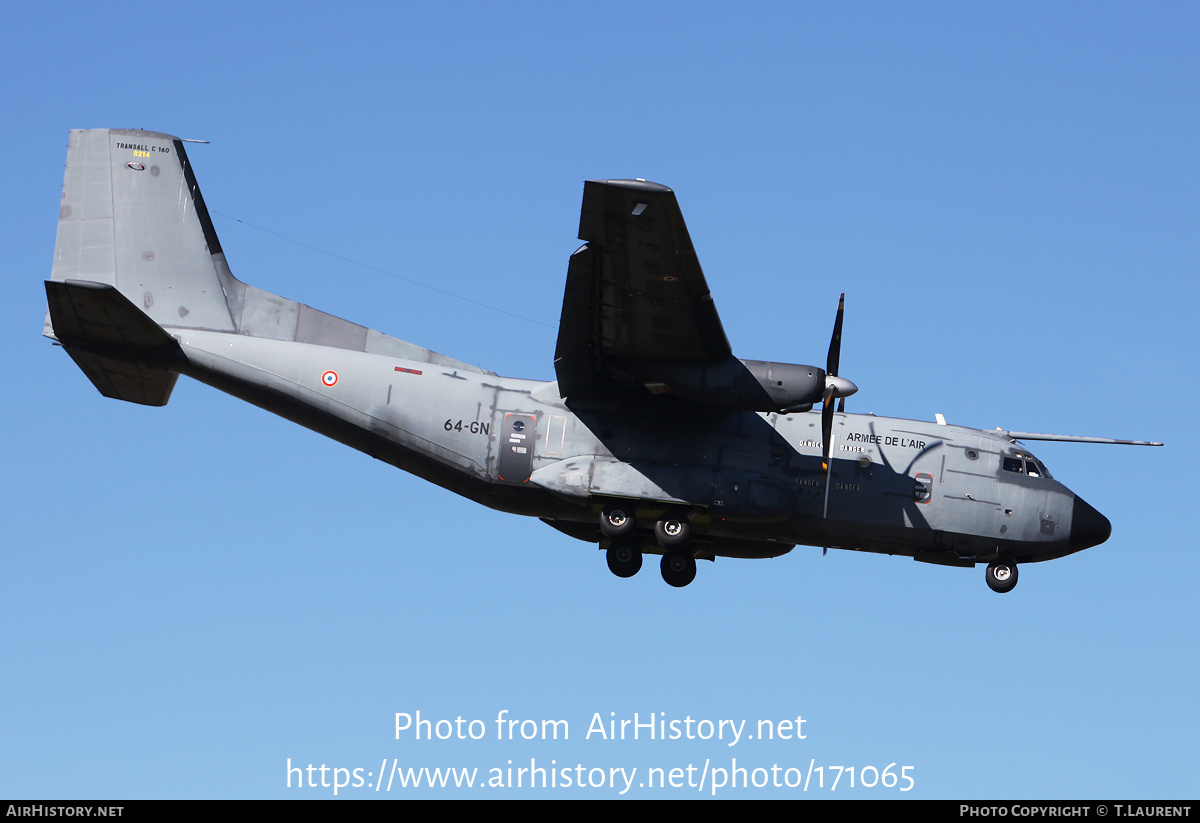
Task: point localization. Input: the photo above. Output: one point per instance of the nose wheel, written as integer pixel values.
(1002, 576)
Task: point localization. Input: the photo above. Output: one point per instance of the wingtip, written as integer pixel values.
(635, 185)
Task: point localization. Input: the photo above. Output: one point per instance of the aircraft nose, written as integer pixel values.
(1088, 526)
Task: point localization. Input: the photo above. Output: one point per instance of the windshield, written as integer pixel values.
(1023, 463)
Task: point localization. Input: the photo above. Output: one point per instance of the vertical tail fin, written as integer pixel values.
(132, 217)
(136, 254)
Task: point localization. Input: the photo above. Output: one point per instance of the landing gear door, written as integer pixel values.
(518, 434)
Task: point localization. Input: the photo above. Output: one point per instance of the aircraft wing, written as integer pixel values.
(635, 293)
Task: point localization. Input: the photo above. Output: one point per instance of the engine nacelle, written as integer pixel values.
(749, 385)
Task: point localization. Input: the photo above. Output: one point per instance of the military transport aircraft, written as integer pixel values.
(654, 439)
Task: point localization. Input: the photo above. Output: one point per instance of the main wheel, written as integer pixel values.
(671, 531)
(1002, 576)
(678, 569)
(616, 520)
(624, 559)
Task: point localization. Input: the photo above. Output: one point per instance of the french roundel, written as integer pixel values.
(329, 378)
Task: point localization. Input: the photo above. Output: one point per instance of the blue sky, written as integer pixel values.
(1007, 193)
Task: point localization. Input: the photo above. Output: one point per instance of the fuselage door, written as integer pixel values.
(518, 434)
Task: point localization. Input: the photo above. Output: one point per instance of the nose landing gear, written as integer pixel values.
(1002, 576)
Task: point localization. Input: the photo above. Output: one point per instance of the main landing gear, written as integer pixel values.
(672, 532)
(678, 568)
(616, 520)
(624, 558)
(1002, 576)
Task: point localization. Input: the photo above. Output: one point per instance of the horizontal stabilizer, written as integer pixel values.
(125, 354)
(97, 315)
(145, 385)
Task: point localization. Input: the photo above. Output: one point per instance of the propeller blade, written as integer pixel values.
(835, 387)
(827, 426)
(827, 442)
(835, 343)
(841, 386)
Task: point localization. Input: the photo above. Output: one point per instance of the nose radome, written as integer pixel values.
(1088, 526)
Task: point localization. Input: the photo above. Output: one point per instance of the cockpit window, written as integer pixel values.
(1031, 462)
(1025, 464)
